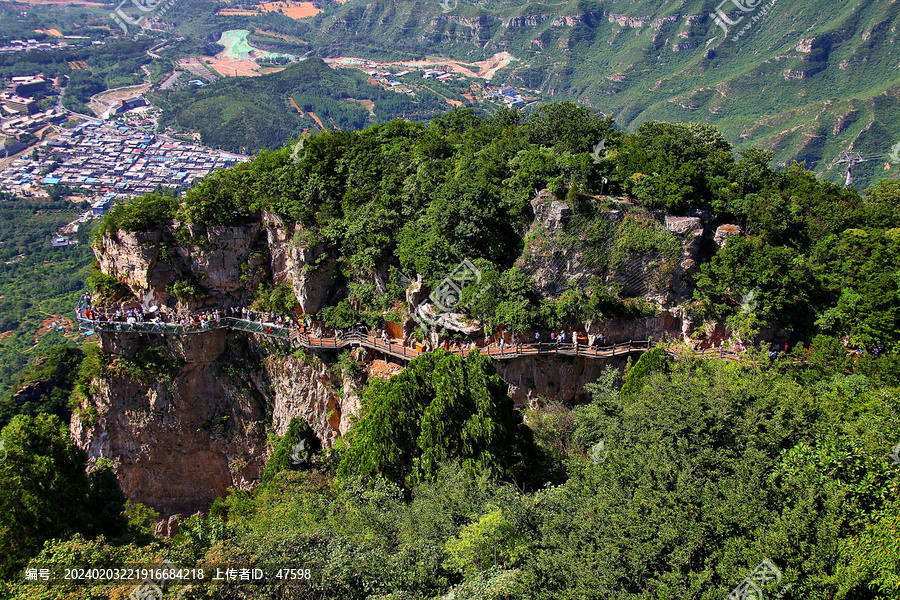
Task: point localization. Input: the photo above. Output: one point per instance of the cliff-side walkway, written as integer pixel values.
(388, 346)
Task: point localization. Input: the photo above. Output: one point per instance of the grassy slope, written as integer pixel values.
(256, 112)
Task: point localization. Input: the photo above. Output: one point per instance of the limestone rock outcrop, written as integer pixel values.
(558, 256)
(179, 439)
(225, 263)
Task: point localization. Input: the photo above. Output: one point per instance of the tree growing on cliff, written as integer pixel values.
(294, 451)
(442, 408)
(46, 493)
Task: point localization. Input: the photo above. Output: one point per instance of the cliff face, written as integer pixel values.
(564, 248)
(179, 439)
(308, 268)
(561, 252)
(562, 378)
(150, 262)
(226, 264)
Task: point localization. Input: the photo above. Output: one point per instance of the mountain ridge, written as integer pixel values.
(643, 62)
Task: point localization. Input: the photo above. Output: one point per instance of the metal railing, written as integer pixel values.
(389, 346)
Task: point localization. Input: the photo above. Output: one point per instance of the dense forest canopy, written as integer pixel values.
(680, 482)
(415, 198)
(38, 283)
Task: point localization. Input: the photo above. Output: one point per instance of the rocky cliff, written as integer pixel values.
(532, 380)
(223, 264)
(562, 252)
(183, 430)
(185, 418)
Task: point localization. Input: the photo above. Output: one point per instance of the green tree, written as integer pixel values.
(674, 504)
(46, 493)
(441, 408)
(654, 361)
(673, 166)
(491, 541)
(295, 450)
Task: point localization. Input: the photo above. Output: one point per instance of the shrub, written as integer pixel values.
(294, 451)
(144, 213)
(278, 298)
(108, 287)
(654, 361)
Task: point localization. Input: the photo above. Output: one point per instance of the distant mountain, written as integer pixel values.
(805, 79)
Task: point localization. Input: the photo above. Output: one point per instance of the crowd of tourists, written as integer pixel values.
(131, 313)
(90, 310)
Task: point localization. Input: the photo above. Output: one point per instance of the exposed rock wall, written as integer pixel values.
(561, 378)
(226, 263)
(223, 261)
(558, 257)
(309, 270)
(180, 440)
(307, 391)
(667, 324)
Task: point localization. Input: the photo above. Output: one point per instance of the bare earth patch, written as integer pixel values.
(103, 100)
(486, 69)
(294, 10)
(383, 369)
